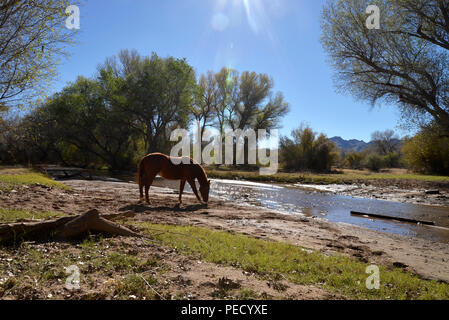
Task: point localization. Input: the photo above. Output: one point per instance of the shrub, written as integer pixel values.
(307, 151)
(374, 162)
(392, 160)
(427, 152)
(354, 160)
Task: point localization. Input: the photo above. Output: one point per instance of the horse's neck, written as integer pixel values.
(201, 175)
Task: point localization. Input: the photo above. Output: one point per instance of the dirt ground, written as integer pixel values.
(427, 258)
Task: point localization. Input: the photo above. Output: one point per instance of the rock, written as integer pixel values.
(432, 191)
(400, 265)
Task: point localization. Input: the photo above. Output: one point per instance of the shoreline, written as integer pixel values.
(428, 259)
(367, 245)
(387, 193)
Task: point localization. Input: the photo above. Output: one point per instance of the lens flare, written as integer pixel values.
(220, 21)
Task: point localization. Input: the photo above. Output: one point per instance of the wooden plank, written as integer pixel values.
(381, 216)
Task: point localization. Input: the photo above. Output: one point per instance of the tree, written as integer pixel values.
(32, 37)
(84, 124)
(405, 62)
(307, 151)
(354, 160)
(159, 94)
(427, 152)
(247, 101)
(238, 102)
(385, 142)
(205, 100)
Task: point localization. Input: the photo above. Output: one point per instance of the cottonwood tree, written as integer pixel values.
(247, 100)
(159, 93)
(88, 120)
(33, 38)
(240, 101)
(307, 150)
(404, 62)
(205, 101)
(385, 142)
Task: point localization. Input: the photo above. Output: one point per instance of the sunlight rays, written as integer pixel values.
(232, 13)
(238, 16)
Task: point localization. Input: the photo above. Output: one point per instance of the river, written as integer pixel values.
(290, 200)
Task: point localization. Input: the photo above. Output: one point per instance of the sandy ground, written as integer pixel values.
(427, 258)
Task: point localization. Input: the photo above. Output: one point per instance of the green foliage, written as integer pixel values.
(246, 100)
(393, 160)
(268, 259)
(12, 215)
(159, 93)
(354, 160)
(131, 107)
(428, 152)
(14, 178)
(33, 38)
(374, 162)
(307, 151)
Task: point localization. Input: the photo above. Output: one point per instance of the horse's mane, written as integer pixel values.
(202, 177)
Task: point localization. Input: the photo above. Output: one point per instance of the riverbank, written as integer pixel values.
(391, 185)
(179, 268)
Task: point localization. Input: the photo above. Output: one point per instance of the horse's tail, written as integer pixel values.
(140, 174)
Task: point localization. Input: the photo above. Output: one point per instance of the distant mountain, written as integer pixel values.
(350, 145)
(355, 145)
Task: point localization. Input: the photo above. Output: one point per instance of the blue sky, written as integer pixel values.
(277, 37)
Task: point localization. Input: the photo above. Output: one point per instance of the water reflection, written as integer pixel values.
(335, 208)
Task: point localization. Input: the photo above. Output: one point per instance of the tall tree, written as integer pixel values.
(205, 101)
(159, 95)
(404, 62)
(89, 119)
(247, 101)
(385, 142)
(32, 38)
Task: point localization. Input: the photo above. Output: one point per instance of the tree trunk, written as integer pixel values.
(66, 228)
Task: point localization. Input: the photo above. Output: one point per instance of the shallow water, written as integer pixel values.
(336, 208)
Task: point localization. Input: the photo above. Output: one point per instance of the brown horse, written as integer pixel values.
(158, 163)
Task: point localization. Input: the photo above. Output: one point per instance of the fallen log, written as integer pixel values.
(66, 228)
(381, 216)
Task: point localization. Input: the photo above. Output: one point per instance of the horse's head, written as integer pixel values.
(204, 190)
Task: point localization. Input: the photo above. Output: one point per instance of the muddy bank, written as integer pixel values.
(406, 193)
(427, 258)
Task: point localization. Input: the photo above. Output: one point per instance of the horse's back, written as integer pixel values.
(162, 164)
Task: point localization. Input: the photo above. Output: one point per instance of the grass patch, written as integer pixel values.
(11, 178)
(11, 215)
(31, 271)
(346, 177)
(134, 286)
(338, 274)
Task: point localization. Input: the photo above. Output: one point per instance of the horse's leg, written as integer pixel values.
(148, 183)
(181, 189)
(193, 186)
(141, 184)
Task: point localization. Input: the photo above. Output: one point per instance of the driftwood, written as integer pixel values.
(66, 228)
(381, 216)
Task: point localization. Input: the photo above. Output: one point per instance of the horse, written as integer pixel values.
(186, 170)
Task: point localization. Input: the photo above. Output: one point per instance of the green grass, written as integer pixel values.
(11, 215)
(135, 285)
(11, 178)
(269, 259)
(37, 268)
(312, 178)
